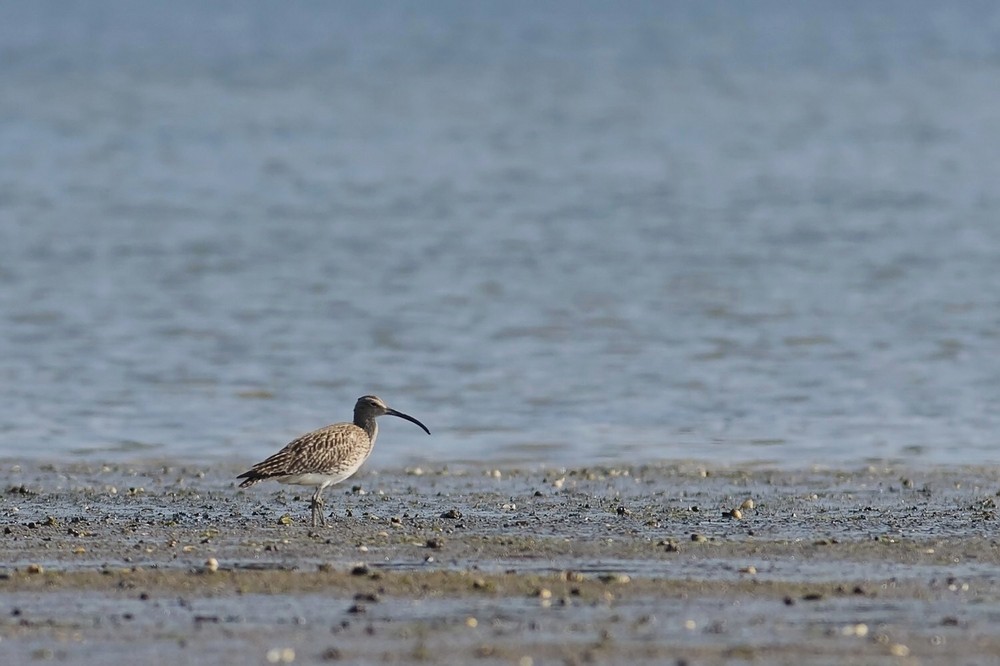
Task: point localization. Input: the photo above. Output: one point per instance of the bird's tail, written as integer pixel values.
(250, 478)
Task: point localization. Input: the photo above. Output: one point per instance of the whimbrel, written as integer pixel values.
(328, 455)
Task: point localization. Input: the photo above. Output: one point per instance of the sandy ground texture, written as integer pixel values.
(676, 564)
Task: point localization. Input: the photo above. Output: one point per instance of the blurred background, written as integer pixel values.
(561, 232)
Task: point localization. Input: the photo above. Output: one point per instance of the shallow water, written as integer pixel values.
(649, 631)
(556, 236)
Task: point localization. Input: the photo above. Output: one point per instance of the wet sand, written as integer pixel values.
(159, 563)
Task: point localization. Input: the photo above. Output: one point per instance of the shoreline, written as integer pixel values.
(647, 564)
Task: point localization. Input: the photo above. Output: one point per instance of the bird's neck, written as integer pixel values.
(368, 425)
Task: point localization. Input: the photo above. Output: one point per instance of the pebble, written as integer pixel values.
(860, 630)
(36, 569)
(899, 650)
(211, 565)
(280, 656)
(749, 570)
(699, 538)
(748, 505)
(735, 514)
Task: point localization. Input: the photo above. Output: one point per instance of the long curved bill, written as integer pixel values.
(409, 418)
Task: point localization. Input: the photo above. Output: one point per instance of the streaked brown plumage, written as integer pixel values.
(328, 455)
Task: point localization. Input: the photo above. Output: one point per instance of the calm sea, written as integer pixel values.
(557, 233)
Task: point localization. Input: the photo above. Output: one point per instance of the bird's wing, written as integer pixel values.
(328, 449)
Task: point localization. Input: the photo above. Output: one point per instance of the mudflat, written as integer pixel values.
(166, 563)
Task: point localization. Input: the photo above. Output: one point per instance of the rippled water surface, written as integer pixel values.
(561, 233)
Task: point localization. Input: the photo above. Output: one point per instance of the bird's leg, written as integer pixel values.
(317, 505)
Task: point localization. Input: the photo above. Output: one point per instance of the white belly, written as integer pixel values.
(314, 479)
